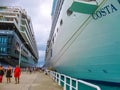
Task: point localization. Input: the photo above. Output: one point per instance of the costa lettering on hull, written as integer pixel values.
(104, 11)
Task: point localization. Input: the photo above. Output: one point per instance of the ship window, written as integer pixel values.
(0, 39)
(3, 40)
(9, 40)
(3, 50)
(69, 12)
(51, 53)
(53, 39)
(25, 51)
(61, 22)
(0, 50)
(8, 50)
(57, 29)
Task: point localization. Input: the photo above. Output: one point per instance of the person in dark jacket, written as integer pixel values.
(1, 73)
(9, 74)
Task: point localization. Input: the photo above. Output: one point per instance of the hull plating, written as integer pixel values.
(88, 46)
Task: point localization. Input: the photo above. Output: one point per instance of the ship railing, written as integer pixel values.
(69, 83)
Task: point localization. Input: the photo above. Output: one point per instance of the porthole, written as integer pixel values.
(89, 70)
(57, 29)
(105, 71)
(69, 12)
(61, 22)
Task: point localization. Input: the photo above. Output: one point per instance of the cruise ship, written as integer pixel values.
(84, 40)
(17, 41)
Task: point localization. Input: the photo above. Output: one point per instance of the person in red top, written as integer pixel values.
(1, 73)
(17, 72)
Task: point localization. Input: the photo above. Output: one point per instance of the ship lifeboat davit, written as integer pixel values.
(84, 6)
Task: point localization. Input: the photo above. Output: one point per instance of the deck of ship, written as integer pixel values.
(33, 81)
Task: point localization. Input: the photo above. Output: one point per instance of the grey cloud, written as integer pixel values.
(41, 47)
(7, 2)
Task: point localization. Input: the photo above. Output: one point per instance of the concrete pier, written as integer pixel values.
(33, 81)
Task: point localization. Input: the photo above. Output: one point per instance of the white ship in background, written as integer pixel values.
(17, 41)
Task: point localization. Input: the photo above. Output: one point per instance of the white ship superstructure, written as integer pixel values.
(84, 41)
(16, 19)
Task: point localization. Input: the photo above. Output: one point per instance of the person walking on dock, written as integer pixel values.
(17, 73)
(9, 74)
(1, 73)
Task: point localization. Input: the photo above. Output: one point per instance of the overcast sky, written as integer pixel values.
(40, 13)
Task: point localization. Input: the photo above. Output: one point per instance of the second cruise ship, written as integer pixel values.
(17, 41)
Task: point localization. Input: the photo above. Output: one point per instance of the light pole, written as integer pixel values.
(20, 52)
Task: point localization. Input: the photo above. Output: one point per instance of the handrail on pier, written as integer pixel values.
(58, 78)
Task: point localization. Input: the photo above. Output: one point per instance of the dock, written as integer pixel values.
(33, 81)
